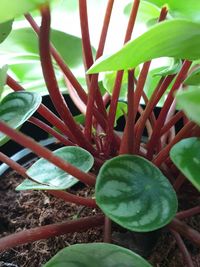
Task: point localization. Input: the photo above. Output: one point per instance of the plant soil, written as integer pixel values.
(26, 209)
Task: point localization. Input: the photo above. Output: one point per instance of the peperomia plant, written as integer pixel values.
(138, 175)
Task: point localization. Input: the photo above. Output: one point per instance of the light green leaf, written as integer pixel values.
(172, 69)
(134, 193)
(5, 29)
(167, 39)
(3, 76)
(16, 108)
(181, 9)
(186, 156)
(96, 255)
(52, 177)
(193, 78)
(146, 12)
(189, 101)
(15, 8)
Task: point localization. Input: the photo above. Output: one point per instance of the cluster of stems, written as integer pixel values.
(98, 135)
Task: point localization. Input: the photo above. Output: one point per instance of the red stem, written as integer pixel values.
(188, 213)
(51, 131)
(183, 249)
(162, 116)
(164, 153)
(179, 115)
(50, 79)
(185, 230)
(47, 154)
(48, 231)
(43, 110)
(107, 230)
(118, 79)
(127, 143)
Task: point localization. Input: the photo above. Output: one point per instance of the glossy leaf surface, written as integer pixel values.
(5, 29)
(186, 156)
(135, 194)
(96, 255)
(15, 8)
(167, 39)
(189, 101)
(52, 177)
(16, 108)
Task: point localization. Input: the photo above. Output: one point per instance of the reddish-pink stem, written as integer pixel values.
(179, 115)
(45, 153)
(162, 116)
(185, 231)
(51, 131)
(119, 76)
(164, 153)
(107, 230)
(48, 231)
(188, 213)
(50, 79)
(183, 249)
(94, 92)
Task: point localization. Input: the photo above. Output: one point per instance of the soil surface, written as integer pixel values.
(26, 209)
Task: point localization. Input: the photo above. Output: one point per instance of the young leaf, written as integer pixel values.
(174, 68)
(193, 78)
(166, 39)
(52, 177)
(16, 108)
(135, 194)
(186, 156)
(189, 101)
(5, 29)
(15, 8)
(96, 255)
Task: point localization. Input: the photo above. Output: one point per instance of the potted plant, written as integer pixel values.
(137, 183)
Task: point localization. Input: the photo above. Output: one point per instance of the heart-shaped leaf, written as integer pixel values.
(5, 29)
(96, 255)
(135, 194)
(15, 8)
(189, 101)
(186, 156)
(16, 108)
(166, 39)
(52, 177)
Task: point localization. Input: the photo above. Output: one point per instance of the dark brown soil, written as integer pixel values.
(26, 209)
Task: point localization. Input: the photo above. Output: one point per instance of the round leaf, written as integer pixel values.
(189, 101)
(52, 177)
(96, 255)
(166, 39)
(193, 78)
(135, 194)
(186, 156)
(16, 108)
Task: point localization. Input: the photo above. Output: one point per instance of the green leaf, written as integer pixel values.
(16, 108)
(186, 156)
(174, 68)
(134, 193)
(96, 255)
(5, 29)
(3, 76)
(189, 101)
(181, 9)
(15, 8)
(167, 39)
(20, 51)
(146, 12)
(52, 177)
(193, 78)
